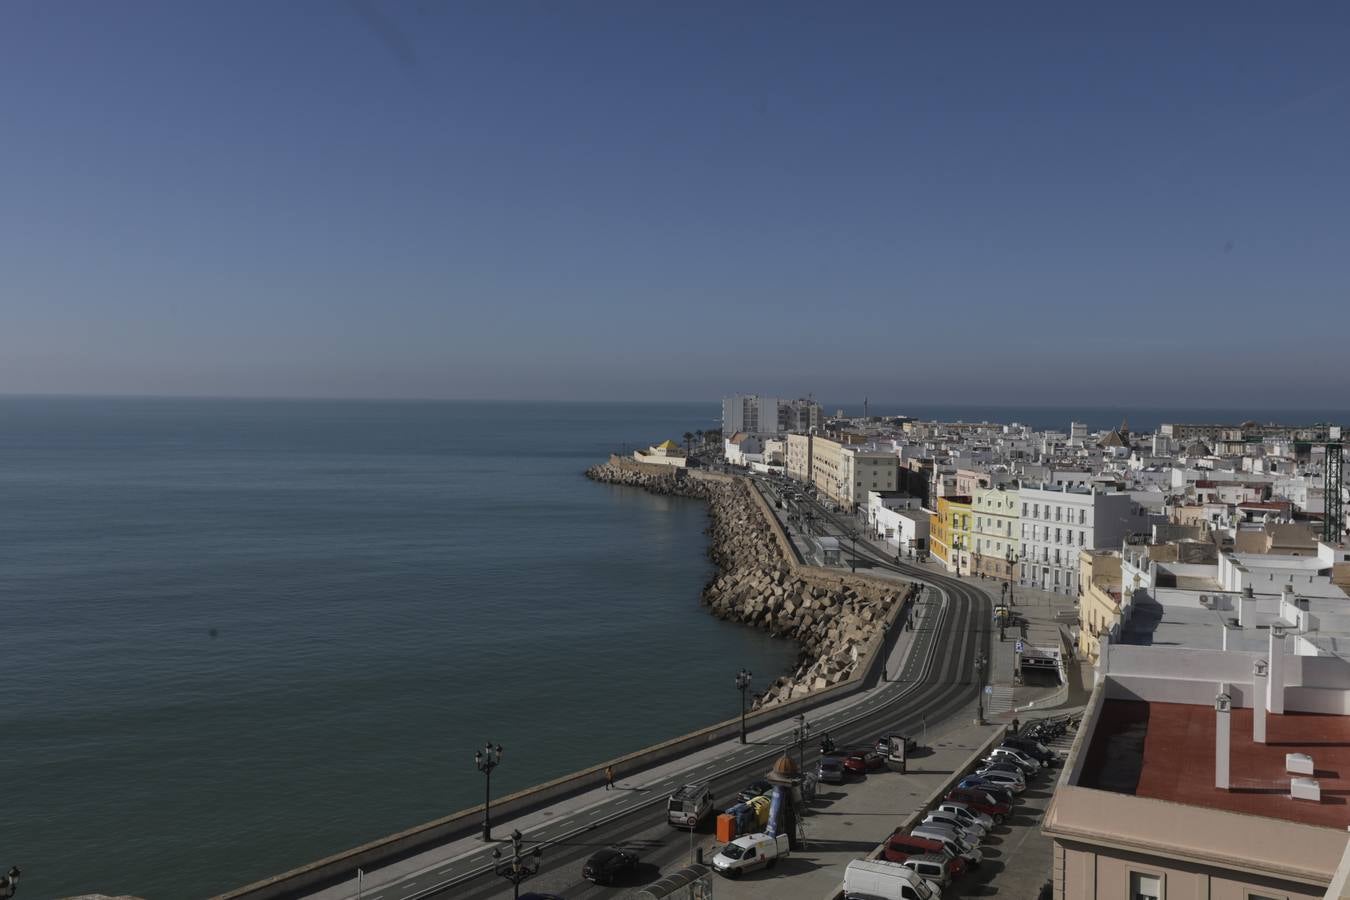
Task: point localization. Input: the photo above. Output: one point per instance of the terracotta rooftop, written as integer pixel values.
(1166, 751)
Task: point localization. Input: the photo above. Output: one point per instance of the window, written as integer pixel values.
(1036, 511)
(1082, 517)
(1058, 511)
(1081, 536)
(1024, 512)
(1145, 887)
(1057, 536)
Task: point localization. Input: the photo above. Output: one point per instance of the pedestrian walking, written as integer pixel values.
(609, 777)
(1015, 725)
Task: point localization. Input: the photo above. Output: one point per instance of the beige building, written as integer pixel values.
(1099, 603)
(995, 533)
(841, 471)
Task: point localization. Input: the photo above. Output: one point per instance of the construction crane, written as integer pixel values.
(1333, 520)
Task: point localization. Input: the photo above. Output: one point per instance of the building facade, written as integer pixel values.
(758, 415)
(950, 533)
(1056, 524)
(996, 532)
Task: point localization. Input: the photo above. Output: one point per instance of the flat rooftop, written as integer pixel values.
(1165, 751)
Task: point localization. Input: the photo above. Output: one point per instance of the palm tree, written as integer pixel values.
(699, 434)
(688, 441)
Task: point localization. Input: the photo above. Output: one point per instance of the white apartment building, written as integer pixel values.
(758, 415)
(1057, 523)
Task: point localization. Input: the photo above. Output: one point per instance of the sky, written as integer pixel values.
(982, 203)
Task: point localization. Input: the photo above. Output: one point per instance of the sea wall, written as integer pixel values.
(832, 616)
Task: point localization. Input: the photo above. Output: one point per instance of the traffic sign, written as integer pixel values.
(1018, 648)
(988, 688)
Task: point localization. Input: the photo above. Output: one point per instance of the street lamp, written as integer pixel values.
(853, 556)
(803, 730)
(9, 883)
(979, 689)
(743, 685)
(517, 867)
(486, 760)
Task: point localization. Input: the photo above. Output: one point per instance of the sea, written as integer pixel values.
(240, 635)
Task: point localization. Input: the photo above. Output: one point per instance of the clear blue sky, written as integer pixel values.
(981, 203)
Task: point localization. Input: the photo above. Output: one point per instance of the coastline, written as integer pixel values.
(832, 616)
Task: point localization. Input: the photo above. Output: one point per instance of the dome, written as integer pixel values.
(784, 770)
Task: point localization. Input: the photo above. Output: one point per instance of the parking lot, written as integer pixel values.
(847, 822)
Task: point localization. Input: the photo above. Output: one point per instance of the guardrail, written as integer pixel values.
(392, 848)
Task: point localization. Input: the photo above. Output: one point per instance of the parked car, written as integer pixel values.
(969, 829)
(941, 870)
(869, 757)
(997, 791)
(876, 878)
(830, 770)
(961, 811)
(901, 846)
(1042, 753)
(982, 801)
(854, 765)
(755, 789)
(1003, 764)
(1009, 780)
(606, 865)
(748, 852)
(1017, 756)
(952, 844)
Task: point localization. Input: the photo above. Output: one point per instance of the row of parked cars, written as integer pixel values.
(922, 862)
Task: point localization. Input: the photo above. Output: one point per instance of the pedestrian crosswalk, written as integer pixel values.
(1000, 700)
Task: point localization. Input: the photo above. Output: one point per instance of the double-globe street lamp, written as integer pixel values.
(743, 685)
(486, 760)
(518, 866)
(979, 689)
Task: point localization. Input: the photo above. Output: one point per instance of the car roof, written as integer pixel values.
(607, 853)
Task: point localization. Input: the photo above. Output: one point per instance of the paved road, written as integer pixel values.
(936, 683)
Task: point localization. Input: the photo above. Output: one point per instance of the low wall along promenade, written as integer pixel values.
(839, 621)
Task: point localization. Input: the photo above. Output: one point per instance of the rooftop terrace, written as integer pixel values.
(1165, 751)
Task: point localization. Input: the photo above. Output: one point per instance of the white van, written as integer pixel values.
(689, 805)
(887, 880)
(749, 852)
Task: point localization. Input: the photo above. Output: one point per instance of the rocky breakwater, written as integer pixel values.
(832, 618)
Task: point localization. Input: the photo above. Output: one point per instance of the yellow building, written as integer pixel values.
(1099, 606)
(950, 533)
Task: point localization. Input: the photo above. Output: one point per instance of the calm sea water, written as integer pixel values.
(242, 635)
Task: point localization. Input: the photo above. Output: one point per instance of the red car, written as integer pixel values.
(854, 765)
(981, 802)
(870, 759)
(900, 847)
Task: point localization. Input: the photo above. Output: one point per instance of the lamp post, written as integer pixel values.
(9, 883)
(803, 730)
(979, 689)
(486, 760)
(518, 866)
(853, 555)
(743, 685)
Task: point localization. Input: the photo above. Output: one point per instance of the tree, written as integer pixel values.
(699, 434)
(688, 441)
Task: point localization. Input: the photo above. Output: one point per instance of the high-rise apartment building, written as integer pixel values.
(753, 414)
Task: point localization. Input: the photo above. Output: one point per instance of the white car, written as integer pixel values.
(951, 842)
(972, 831)
(1004, 779)
(965, 813)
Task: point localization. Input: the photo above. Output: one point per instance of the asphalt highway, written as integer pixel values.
(936, 683)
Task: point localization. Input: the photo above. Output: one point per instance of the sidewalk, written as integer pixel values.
(649, 787)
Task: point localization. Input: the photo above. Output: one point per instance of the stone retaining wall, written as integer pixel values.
(834, 617)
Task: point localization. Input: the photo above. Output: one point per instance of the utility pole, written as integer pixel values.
(979, 689)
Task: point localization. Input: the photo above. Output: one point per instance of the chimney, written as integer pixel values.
(1247, 608)
(1275, 690)
(1223, 705)
(1260, 669)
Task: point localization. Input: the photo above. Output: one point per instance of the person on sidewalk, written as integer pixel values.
(609, 777)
